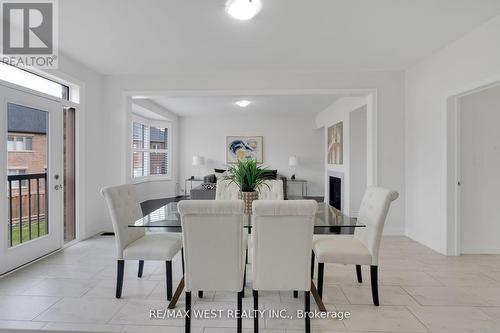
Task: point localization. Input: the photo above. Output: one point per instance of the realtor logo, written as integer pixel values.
(29, 33)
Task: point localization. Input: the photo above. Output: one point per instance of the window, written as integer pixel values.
(17, 171)
(150, 149)
(19, 143)
(24, 183)
(33, 81)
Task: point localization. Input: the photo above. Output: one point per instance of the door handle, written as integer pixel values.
(58, 187)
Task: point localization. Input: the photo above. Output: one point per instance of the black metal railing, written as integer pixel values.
(27, 205)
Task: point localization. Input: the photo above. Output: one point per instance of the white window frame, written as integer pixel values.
(168, 150)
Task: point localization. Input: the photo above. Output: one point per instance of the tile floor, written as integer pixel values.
(420, 291)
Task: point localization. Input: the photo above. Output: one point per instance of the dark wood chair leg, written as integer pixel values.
(200, 293)
(141, 268)
(295, 294)
(307, 296)
(244, 281)
(255, 309)
(321, 271)
(239, 321)
(119, 277)
(182, 260)
(312, 264)
(245, 273)
(359, 273)
(188, 312)
(374, 280)
(168, 265)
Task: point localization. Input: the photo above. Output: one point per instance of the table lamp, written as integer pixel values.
(197, 161)
(293, 162)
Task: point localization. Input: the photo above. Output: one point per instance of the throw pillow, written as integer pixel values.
(272, 174)
(208, 186)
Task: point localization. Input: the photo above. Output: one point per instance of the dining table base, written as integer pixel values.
(314, 292)
(177, 294)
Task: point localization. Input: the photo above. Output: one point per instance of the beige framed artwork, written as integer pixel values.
(240, 148)
(336, 144)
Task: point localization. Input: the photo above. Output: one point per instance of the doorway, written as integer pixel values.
(479, 165)
(31, 195)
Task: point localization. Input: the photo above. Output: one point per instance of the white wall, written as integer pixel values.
(467, 63)
(389, 85)
(479, 167)
(358, 157)
(283, 137)
(340, 111)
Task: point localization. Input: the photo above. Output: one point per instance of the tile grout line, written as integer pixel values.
(417, 318)
(47, 309)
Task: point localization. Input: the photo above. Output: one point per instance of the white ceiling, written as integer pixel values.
(261, 105)
(145, 113)
(162, 36)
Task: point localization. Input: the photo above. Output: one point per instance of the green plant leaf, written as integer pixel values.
(248, 175)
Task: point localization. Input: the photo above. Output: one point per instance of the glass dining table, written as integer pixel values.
(163, 216)
(328, 220)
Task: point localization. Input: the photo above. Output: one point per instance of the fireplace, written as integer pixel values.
(335, 195)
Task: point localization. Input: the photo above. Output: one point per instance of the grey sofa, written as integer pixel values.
(201, 193)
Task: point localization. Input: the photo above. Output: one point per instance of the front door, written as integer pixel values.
(31, 196)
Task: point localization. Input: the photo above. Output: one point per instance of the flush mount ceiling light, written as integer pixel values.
(243, 103)
(243, 9)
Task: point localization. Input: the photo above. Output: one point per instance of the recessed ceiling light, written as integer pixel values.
(243, 103)
(243, 9)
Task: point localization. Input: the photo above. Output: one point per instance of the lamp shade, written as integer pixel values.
(198, 160)
(293, 161)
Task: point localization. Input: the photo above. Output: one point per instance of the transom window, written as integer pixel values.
(150, 149)
(33, 81)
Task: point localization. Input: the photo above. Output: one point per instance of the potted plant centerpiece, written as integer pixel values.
(249, 177)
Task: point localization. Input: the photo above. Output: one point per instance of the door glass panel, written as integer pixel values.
(27, 148)
(69, 174)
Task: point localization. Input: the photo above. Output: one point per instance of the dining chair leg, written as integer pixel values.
(119, 278)
(321, 271)
(188, 312)
(374, 280)
(312, 264)
(168, 265)
(244, 281)
(245, 273)
(359, 273)
(295, 294)
(182, 260)
(239, 319)
(255, 311)
(141, 268)
(200, 293)
(307, 296)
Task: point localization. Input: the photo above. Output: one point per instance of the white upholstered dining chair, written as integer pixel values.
(282, 235)
(214, 249)
(134, 243)
(363, 247)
